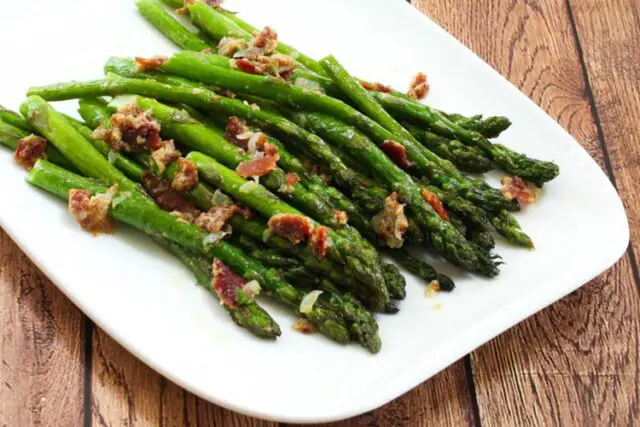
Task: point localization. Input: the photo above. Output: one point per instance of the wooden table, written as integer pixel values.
(575, 363)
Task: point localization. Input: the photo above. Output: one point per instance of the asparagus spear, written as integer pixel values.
(72, 144)
(533, 170)
(14, 119)
(248, 315)
(422, 269)
(10, 136)
(144, 215)
(467, 159)
(491, 127)
(210, 21)
(446, 240)
(156, 14)
(508, 227)
(362, 325)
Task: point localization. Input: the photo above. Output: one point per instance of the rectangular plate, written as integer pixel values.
(147, 301)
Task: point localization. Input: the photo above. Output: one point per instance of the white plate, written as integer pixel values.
(147, 301)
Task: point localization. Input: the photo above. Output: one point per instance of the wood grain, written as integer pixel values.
(126, 392)
(565, 365)
(41, 366)
(609, 40)
(444, 400)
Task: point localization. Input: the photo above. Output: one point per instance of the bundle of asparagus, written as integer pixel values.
(261, 168)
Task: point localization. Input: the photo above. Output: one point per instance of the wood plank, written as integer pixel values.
(575, 363)
(444, 400)
(41, 371)
(609, 35)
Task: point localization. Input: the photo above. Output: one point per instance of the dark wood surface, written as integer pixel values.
(575, 363)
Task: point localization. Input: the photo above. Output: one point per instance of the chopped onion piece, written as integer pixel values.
(214, 239)
(112, 156)
(251, 289)
(119, 198)
(306, 305)
(307, 84)
(266, 235)
(220, 199)
(248, 186)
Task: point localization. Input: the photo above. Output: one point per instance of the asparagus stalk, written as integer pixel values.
(214, 24)
(248, 315)
(144, 215)
(362, 325)
(533, 170)
(467, 159)
(422, 270)
(14, 119)
(72, 144)
(157, 16)
(508, 227)
(10, 136)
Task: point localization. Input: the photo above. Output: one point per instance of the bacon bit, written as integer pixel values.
(281, 66)
(270, 149)
(165, 154)
(258, 167)
(92, 212)
(187, 176)
(319, 242)
(419, 88)
(166, 197)
(267, 40)
(396, 152)
(514, 187)
(340, 217)
(235, 128)
(153, 63)
(226, 284)
(229, 46)
(376, 87)
(227, 93)
(29, 150)
(131, 130)
(244, 211)
(207, 50)
(185, 217)
(294, 227)
(290, 180)
(303, 326)
(216, 218)
(432, 289)
(435, 203)
(391, 223)
(246, 66)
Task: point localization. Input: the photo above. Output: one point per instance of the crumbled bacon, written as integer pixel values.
(319, 242)
(185, 217)
(229, 46)
(278, 65)
(247, 66)
(270, 149)
(92, 212)
(419, 88)
(290, 180)
(237, 127)
(153, 63)
(258, 167)
(29, 150)
(267, 40)
(244, 211)
(435, 203)
(376, 87)
(187, 176)
(432, 289)
(226, 284)
(391, 224)
(215, 219)
(396, 152)
(294, 227)
(340, 217)
(131, 130)
(514, 187)
(165, 154)
(166, 197)
(303, 326)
